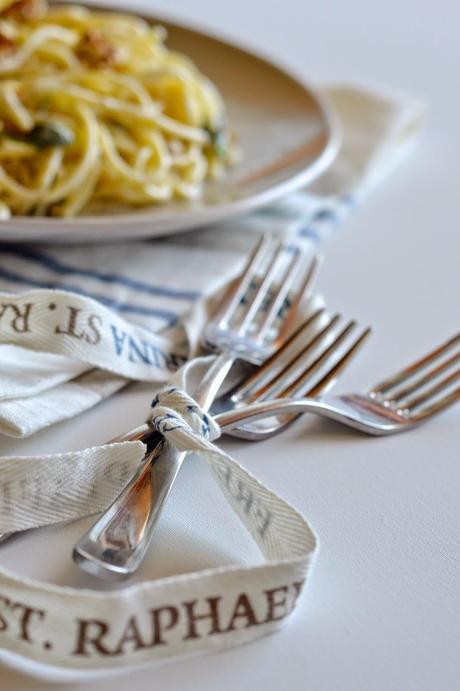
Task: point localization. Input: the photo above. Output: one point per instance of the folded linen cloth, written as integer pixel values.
(165, 286)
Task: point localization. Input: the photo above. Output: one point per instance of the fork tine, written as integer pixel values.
(438, 406)
(402, 394)
(278, 297)
(431, 393)
(303, 290)
(331, 375)
(284, 286)
(400, 377)
(256, 378)
(232, 299)
(261, 292)
(293, 365)
(306, 374)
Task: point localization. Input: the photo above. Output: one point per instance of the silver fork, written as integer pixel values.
(246, 325)
(295, 377)
(406, 399)
(313, 359)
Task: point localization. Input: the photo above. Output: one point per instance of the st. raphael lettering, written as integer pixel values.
(160, 626)
(190, 620)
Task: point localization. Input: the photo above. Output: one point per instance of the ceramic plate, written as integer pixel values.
(286, 130)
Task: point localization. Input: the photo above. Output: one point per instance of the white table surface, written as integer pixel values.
(382, 608)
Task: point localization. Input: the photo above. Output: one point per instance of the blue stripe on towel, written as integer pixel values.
(310, 233)
(324, 215)
(169, 316)
(63, 269)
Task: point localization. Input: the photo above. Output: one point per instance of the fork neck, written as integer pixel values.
(212, 380)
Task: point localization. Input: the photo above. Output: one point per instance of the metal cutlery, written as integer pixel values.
(250, 323)
(312, 371)
(402, 401)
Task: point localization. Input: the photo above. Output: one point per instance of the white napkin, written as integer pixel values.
(165, 285)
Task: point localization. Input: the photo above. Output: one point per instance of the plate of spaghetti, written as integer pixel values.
(117, 126)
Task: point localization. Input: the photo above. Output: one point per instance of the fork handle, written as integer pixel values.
(116, 544)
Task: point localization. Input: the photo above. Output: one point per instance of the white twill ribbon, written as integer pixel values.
(168, 618)
(82, 329)
(61, 353)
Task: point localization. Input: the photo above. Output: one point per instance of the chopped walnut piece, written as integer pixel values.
(27, 10)
(96, 50)
(7, 47)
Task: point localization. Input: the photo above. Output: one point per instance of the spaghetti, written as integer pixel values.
(96, 110)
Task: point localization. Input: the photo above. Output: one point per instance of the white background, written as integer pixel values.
(382, 610)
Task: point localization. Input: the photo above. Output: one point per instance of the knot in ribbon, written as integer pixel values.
(176, 414)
